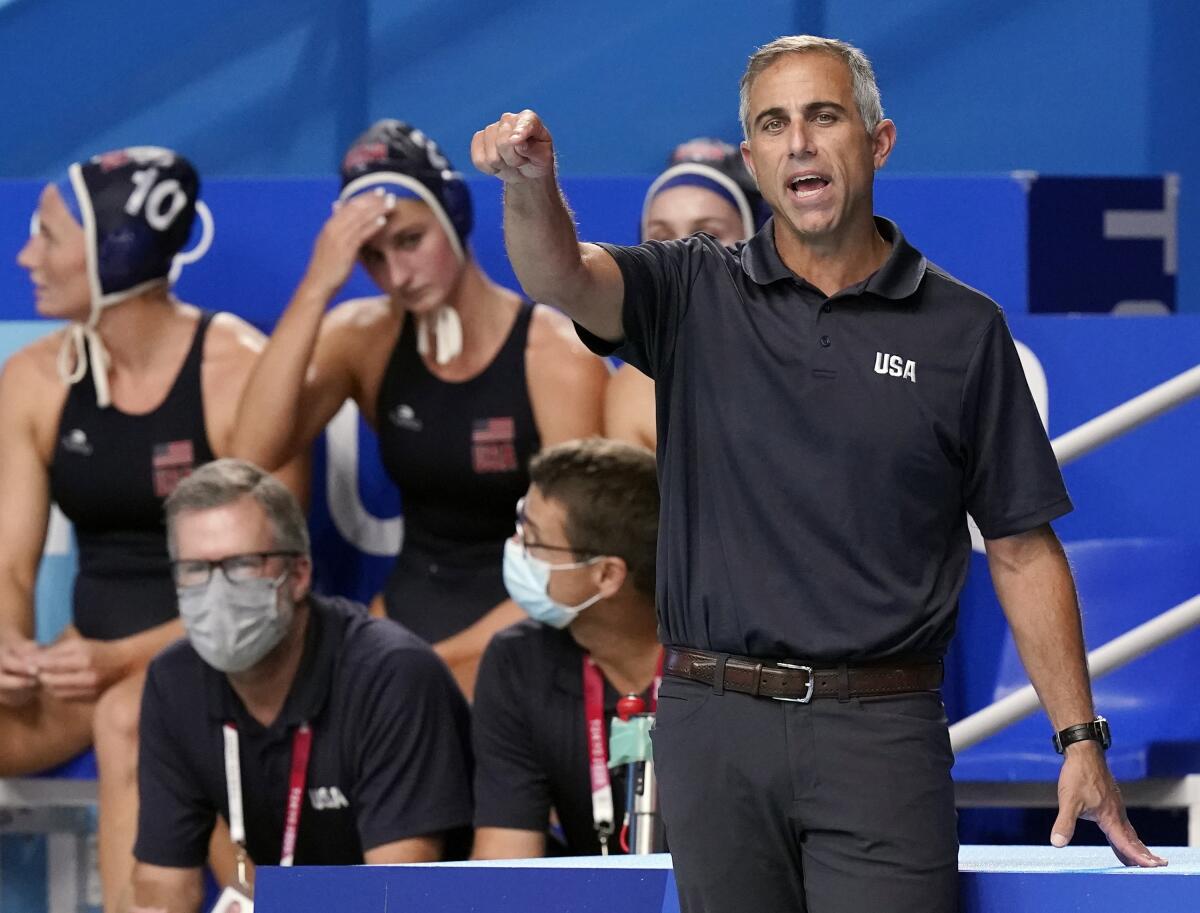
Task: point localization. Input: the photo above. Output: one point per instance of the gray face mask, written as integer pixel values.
(234, 625)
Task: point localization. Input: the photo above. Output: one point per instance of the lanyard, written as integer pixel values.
(597, 742)
(301, 748)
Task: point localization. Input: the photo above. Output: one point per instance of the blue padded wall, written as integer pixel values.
(263, 88)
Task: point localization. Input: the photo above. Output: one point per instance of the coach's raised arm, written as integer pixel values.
(553, 267)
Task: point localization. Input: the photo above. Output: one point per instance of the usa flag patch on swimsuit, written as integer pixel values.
(171, 463)
(493, 445)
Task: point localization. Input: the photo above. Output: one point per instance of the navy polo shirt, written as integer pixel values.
(531, 750)
(390, 751)
(818, 455)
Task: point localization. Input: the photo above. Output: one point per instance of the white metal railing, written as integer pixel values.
(1116, 653)
(1127, 416)
(1145, 637)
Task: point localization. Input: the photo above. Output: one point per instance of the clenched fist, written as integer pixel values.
(516, 148)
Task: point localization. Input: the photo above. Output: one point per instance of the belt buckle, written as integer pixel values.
(811, 683)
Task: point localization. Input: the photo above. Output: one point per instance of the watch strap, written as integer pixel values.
(1096, 730)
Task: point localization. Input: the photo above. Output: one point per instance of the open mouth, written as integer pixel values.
(804, 186)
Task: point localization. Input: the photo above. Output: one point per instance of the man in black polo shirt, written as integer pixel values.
(321, 735)
(830, 407)
(582, 565)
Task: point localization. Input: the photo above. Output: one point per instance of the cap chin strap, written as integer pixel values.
(81, 338)
(446, 327)
(83, 345)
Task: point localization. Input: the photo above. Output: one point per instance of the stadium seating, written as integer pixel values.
(1150, 703)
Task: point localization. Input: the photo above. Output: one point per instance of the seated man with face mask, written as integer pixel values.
(321, 735)
(582, 565)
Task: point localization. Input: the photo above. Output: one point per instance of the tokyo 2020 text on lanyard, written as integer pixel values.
(603, 812)
(301, 748)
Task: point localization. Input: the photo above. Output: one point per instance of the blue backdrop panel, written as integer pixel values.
(23, 855)
(1101, 243)
(1145, 483)
(992, 880)
(975, 227)
(1017, 246)
(1071, 87)
(256, 87)
(1138, 486)
(346, 562)
(1141, 485)
(1037, 879)
(584, 888)
(1122, 583)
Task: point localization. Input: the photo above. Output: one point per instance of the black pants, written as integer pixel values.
(776, 807)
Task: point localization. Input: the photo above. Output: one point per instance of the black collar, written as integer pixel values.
(310, 688)
(898, 278)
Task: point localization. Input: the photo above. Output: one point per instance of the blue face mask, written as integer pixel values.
(527, 579)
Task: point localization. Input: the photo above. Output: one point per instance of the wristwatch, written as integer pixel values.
(1097, 730)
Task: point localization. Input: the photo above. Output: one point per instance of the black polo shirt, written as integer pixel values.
(390, 750)
(818, 456)
(528, 727)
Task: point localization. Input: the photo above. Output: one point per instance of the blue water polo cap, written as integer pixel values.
(716, 166)
(137, 207)
(400, 157)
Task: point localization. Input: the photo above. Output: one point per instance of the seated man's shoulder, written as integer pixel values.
(528, 650)
(179, 656)
(180, 673)
(371, 645)
(526, 636)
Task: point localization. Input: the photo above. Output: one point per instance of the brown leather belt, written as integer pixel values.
(788, 681)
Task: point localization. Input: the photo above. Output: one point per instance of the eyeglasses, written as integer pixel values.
(237, 569)
(527, 544)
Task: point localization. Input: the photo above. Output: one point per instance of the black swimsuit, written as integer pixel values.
(459, 453)
(110, 474)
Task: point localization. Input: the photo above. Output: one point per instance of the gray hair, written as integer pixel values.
(862, 77)
(225, 481)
